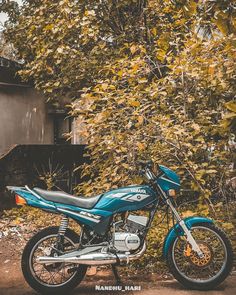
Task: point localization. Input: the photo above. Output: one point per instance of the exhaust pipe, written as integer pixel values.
(95, 258)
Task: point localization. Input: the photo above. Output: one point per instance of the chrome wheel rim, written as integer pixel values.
(54, 275)
(195, 270)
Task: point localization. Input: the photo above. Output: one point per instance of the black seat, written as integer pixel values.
(64, 198)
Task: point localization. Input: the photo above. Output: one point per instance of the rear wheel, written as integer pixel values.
(202, 273)
(51, 278)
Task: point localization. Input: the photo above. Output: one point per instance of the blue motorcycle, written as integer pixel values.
(55, 260)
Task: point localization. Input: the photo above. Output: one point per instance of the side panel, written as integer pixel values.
(177, 231)
(96, 219)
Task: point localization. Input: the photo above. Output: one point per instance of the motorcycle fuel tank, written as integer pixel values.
(129, 198)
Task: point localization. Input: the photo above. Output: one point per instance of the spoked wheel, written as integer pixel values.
(202, 273)
(55, 277)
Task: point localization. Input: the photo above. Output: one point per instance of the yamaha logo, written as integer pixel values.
(138, 190)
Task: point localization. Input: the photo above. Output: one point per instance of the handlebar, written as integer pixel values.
(149, 170)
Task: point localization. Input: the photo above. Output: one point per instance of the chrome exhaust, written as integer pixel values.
(95, 258)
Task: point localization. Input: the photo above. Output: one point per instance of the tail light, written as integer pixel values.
(20, 200)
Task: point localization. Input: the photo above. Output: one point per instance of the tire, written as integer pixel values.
(29, 274)
(217, 279)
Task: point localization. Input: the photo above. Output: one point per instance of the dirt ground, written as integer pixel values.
(12, 281)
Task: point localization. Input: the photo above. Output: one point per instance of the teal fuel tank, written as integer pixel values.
(128, 198)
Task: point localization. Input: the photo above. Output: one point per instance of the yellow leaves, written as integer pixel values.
(60, 50)
(191, 7)
(137, 180)
(163, 41)
(141, 146)
(229, 119)
(200, 139)
(154, 31)
(49, 27)
(89, 13)
(133, 49)
(227, 225)
(136, 49)
(231, 106)
(135, 67)
(49, 69)
(56, 84)
(179, 131)
(123, 149)
(188, 213)
(142, 80)
(140, 120)
(211, 70)
(221, 22)
(161, 54)
(163, 46)
(120, 73)
(125, 165)
(211, 171)
(104, 86)
(196, 127)
(100, 117)
(203, 209)
(190, 98)
(134, 103)
(120, 100)
(180, 22)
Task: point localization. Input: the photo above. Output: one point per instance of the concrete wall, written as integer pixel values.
(23, 118)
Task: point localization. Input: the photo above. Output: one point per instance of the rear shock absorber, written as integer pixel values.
(61, 233)
(63, 226)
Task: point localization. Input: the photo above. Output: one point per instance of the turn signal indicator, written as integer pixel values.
(20, 200)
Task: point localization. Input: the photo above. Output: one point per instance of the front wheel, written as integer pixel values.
(56, 278)
(201, 273)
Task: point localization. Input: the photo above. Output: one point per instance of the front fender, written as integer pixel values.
(176, 230)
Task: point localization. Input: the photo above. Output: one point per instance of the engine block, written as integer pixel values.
(125, 242)
(127, 237)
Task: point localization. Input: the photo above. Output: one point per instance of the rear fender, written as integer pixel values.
(176, 230)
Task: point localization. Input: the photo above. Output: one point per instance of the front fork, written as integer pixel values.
(187, 232)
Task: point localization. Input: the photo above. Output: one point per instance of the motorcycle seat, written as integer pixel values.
(64, 198)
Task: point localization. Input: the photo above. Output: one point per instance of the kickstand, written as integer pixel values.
(116, 275)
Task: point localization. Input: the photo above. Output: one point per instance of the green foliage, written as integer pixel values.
(153, 79)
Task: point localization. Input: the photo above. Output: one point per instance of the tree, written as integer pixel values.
(6, 49)
(11, 8)
(155, 75)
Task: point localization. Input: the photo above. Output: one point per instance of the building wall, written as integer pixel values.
(23, 118)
